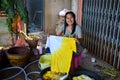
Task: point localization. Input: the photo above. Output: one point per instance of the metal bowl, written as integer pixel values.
(88, 73)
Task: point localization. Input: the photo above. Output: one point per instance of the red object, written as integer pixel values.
(80, 11)
(19, 26)
(76, 60)
(20, 42)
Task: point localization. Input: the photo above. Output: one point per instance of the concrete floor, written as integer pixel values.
(85, 63)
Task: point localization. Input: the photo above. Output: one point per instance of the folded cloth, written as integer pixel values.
(61, 52)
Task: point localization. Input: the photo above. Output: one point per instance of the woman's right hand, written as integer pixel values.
(76, 40)
(48, 34)
(59, 33)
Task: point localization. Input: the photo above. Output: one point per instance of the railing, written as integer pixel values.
(101, 29)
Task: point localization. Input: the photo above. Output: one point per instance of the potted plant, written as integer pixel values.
(15, 11)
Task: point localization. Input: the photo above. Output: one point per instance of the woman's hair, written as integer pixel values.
(74, 24)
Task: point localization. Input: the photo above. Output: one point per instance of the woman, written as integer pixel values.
(61, 18)
(72, 29)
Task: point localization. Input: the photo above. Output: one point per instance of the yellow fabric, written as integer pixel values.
(61, 58)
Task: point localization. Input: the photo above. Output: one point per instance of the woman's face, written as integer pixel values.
(69, 19)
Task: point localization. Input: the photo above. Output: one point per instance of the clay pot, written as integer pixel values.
(32, 43)
(18, 56)
(1, 56)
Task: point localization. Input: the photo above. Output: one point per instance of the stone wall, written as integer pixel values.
(4, 33)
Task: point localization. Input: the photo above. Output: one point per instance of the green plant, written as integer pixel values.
(13, 7)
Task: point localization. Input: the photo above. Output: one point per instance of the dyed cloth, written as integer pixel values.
(61, 52)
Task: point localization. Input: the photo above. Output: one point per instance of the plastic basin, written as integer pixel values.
(45, 61)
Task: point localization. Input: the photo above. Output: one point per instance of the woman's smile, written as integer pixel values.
(69, 19)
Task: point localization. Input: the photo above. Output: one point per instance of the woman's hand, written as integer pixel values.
(78, 40)
(59, 33)
(48, 34)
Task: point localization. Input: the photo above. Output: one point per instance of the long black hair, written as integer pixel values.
(74, 24)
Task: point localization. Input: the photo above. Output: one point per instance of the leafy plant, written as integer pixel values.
(110, 71)
(12, 7)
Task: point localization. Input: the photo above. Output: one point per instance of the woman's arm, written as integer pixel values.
(60, 30)
(79, 34)
(78, 39)
(59, 33)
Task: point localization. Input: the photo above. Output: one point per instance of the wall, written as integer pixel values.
(50, 11)
(4, 33)
(52, 7)
(74, 7)
(77, 9)
(35, 13)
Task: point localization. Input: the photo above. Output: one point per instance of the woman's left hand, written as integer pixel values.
(76, 40)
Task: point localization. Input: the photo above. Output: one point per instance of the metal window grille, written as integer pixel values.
(101, 29)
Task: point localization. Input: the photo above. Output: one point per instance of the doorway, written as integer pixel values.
(35, 14)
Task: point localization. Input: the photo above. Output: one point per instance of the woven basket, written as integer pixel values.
(18, 56)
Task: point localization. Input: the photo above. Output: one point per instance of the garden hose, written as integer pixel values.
(15, 67)
(22, 70)
(34, 72)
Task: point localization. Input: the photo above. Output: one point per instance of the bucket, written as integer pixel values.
(45, 61)
(18, 56)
